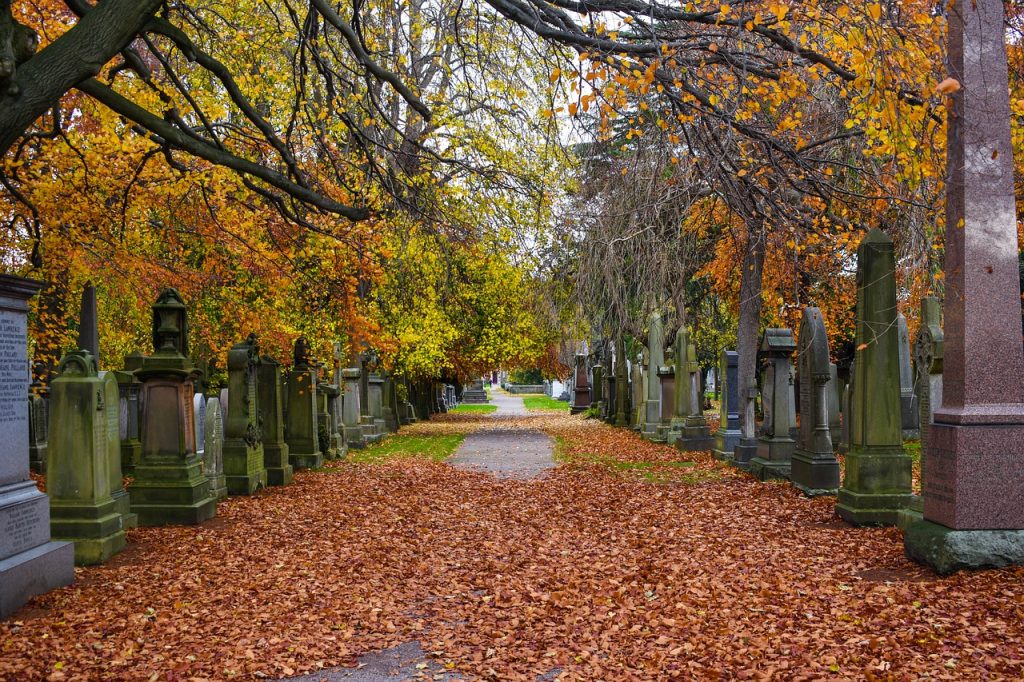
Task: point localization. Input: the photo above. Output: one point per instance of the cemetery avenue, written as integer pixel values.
(619, 564)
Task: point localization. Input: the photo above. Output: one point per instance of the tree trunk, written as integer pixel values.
(751, 301)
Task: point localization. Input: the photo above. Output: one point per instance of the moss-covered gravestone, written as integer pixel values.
(655, 359)
(908, 399)
(390, 404)
(350, 410)
(130, 389)
(243, 443)
(84, 467)
(621, 384)
(170, 485)
(877, 481)
(301, 431)
(331, 443)
(376, 393)
(814, 468)
(775, 445)
(581, 385)
(696, 433)
(38, 426)
(728, 434)
(271, 407)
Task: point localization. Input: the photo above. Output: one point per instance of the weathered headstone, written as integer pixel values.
(199, 410)
(581, 386)
(655, 359)
(728, 434)
(908, 400)
(30, 563)
(746, 448)
(390, 404)
(213, 448)
(271, 407)
(243, 442)
(88, 323)
(974, 480)
(84, 467)
(597, 377)
(170, 486)
(376, 393)
(696, 433)
(844, 432)
(301, 430)
(775, 444)
(130, 389)
(877, 482)
(814, 469)
(681, 386)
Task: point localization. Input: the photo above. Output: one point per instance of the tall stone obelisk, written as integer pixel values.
(974, 482)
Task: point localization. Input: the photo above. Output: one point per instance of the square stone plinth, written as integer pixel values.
(975, 476)
(946, 550)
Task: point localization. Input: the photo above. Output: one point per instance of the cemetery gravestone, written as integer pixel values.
(775, 444)
(30, 563)
(814, 469)
(243, 446)
(728, 434)
(834, 411)
(655, 359)
(84, 467)
(908, 399)
(667, 395)
(681, 394)
(877, 478)
(621, 384)
(301, 431)
(581, 387)
(270, 399)
(696, 434)
(38, 426)
(170, 485)
(350, 409)
(213, 448)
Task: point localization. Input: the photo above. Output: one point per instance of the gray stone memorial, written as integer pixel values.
(728, 434)
(909, 413)
(655, 359)
(213, 447)
(30, 563)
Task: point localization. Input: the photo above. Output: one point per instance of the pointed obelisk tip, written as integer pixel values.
(88, 325)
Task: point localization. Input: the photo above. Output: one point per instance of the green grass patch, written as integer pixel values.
(543, 402)
(468, 408)
(437, 448)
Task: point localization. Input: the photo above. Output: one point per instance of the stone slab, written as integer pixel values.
(946, 550)
(34, 572)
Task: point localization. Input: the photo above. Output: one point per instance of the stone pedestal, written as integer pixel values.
(667, 383)
(391, 405)
(908, 400)
(30, 563)
(728, 434)
(170, 486)
(814, 467)
(271, 408)
(376, 396)
(330, 441)
(877, 480)
(243, 445)
(775, 445)
(129, 389)
(746, 448)
(655, 359)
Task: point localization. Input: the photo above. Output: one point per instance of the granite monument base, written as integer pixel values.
(275, 459)
(946, 550)
(243, 468)
(814, 475)
(773, 458)
(744, 453)
(695, 439)
(725, 444)
(876, 487)
(96, 530)
(172, 493)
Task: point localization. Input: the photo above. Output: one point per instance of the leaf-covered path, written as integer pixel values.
(622, 563)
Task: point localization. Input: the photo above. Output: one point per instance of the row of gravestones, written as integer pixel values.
(183, 450)
(972, 511)
(879, 405)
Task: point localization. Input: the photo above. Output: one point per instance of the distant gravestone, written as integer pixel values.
(655, 359)
(38, 427)
(636, 386)
(581, 386)
(834, 403)
(844, 427)
(130, 388)
(908, 399)
(621, 383)
(728, 434)
(271, 409)
(30, 563)
(696, 434)
(350, 410)
(814, 469)
(775, 444)
(877, 481)
(199, 409)
(243, 442)
(301, 431)
(213, 448)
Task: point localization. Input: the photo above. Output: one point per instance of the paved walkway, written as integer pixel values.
(506, 453)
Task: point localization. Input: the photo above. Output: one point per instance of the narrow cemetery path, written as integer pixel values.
(627, 561)
(506, 453)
